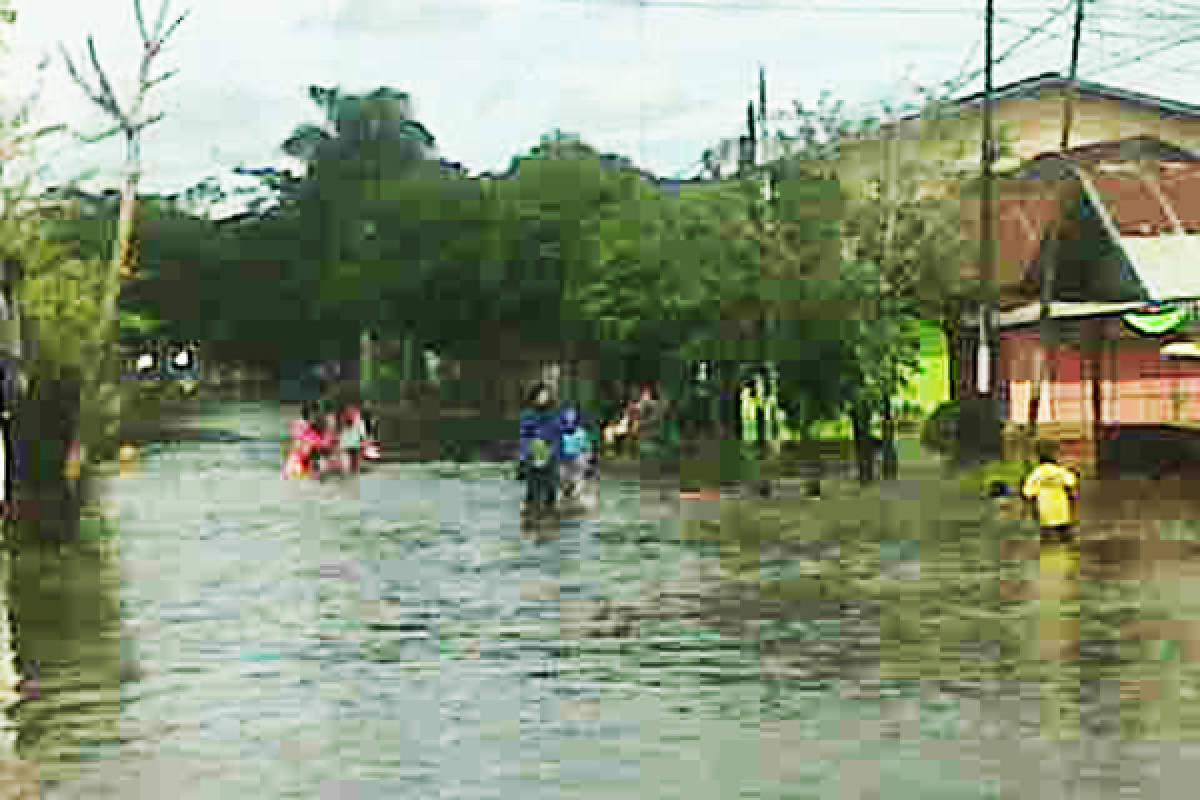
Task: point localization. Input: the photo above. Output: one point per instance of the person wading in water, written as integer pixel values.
(541, 446)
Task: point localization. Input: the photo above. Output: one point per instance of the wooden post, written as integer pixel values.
(366, 370)
(1100, 332)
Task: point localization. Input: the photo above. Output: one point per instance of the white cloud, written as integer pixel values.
(386, 17)
(490, 76)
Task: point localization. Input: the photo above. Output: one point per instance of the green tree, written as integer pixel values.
(367, 142)
(906, 223)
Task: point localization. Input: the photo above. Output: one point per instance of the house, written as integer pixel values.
(1108, 123)
(1027, 115)
(1108, 232)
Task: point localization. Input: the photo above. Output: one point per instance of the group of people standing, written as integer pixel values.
(333, 440)
(556, 453)
(639, 414)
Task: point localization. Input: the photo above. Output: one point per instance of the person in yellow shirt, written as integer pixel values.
(1052, 491)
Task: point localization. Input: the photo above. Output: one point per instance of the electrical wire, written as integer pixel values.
(963, 80)
(1178, 42)
(1124, 58)
(758, 6)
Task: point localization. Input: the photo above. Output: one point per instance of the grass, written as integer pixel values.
(979, 609)
(957, 604)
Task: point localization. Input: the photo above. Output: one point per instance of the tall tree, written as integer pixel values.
(366, 141)
(129, 122)
(904, 221)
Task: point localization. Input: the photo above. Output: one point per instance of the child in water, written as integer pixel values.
(1052, 493)
(352, 437)
(576, 454)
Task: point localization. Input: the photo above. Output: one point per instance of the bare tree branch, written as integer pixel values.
(105, 86)
(160, 79)
(141, 20)
(146, 123)
(162, 18)
(101, 136)
(39, 133)
(79, 80)
(162, 39)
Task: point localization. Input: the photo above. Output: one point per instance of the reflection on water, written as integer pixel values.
(64, 614)
(397, 636)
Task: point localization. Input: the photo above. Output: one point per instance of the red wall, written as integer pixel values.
(1138, 386)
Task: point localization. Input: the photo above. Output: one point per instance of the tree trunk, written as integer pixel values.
(366, 374)
(864, 446)
(890, 461)
(99, 405)
(952, 329)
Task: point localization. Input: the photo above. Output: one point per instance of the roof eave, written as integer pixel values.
(1171, 109)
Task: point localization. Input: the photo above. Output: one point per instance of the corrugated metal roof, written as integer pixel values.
(1145, 201)
(1132, 149)
(1031, 313)
(1035, 85)
(1168, 266)
(1181, 350)
(1032, 87)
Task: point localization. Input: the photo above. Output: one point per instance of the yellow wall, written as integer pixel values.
(1031, 125)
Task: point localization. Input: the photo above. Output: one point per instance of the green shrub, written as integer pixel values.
(939, 434)
(1011, 473)
(966, 431)
(707, 464)
(981, 432)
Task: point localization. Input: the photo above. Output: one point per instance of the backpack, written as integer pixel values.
(539, 453)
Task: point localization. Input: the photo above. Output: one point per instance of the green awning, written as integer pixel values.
(1160, 320)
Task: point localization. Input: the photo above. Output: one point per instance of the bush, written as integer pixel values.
(710, 463)
(939, 434)
(966, 431)
(981, 434)
(1011, 473)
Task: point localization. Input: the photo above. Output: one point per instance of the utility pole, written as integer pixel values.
(1098, 327)
(987, 245)
(749, 168)
(1073, 72)
(1042, 365)
(762, 111)
(766, 430)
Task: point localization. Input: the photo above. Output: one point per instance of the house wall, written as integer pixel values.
(1138, 386)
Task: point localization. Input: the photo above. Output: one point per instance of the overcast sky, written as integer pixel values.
(659, 82)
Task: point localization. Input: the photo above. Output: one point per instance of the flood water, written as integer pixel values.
(397, 635)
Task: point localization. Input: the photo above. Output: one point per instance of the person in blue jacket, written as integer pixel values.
(541, 450)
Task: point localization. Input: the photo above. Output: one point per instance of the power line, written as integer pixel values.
(1169, 40)
(1140, 36)
(963, 81)
(757, 6)
(1118, 55)
(1146, 54)
(1186, 8)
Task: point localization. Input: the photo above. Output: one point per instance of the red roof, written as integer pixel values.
(1135, 206)
(1129, 191)
(1023, 209)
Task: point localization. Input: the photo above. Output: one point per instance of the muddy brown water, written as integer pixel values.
(397, 636)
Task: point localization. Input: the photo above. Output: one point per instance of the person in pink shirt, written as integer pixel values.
(310, 441)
